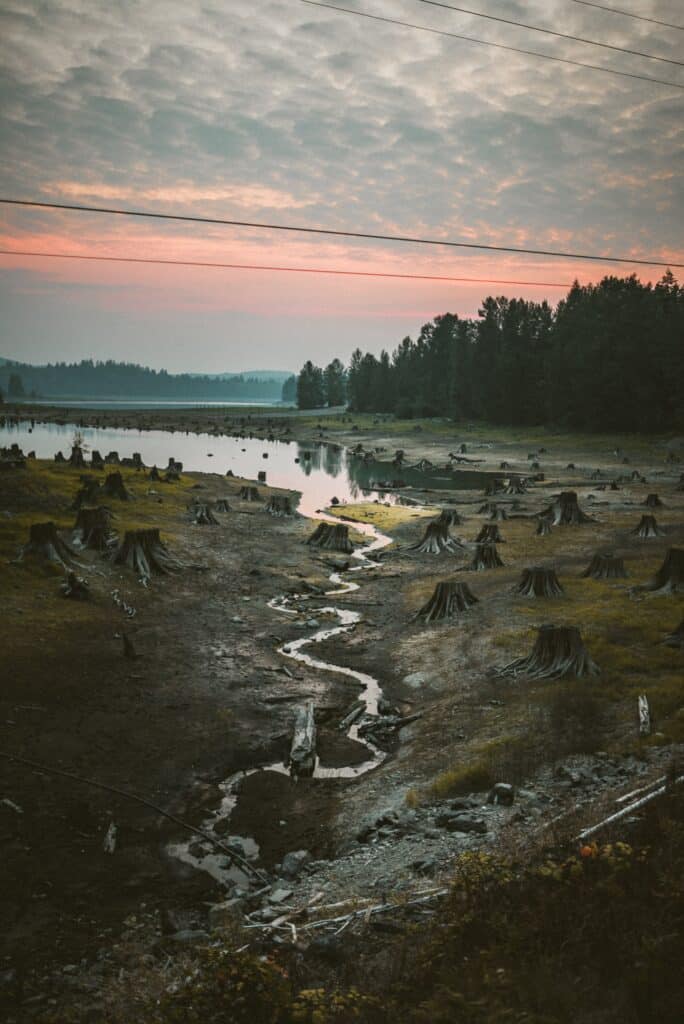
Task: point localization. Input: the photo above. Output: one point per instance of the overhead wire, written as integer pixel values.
(549, 31)
(291, 270)
(337, 233)
(496, 46)
(628, 14)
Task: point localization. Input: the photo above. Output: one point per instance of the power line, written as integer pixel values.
(496, 46)
(290, 270)
(628, 14)
(550, 32)
(186, 218)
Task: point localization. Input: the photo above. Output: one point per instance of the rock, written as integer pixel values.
(293, 863)
(425, 865)
(464, 821)
(189, 936)
(502, 793)
(463, 803)
(279, 895)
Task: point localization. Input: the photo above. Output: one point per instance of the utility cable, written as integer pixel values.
(628, 14)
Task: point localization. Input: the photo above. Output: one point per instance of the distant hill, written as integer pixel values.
(110, 379)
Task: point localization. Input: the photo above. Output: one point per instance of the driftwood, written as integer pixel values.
(653, 501)
(676, 638)
(92, 528)
(248, 493)
(145, 553)
(647, 528)
(75, 587)
(114, 487)
(45, 543)
(539, 582)
(605, 567)
(565, 511)
(486, 557)
(303, 749)
(558, 651)
(331, 538)
(489, 534)
(279, 505)
(670, 577)
(436, 540)
(448, 599)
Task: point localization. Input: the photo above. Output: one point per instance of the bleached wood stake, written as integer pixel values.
(644, 715)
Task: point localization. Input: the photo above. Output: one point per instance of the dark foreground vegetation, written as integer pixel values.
(591, 936)
(610, 356)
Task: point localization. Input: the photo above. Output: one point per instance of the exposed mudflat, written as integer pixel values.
(210, 696)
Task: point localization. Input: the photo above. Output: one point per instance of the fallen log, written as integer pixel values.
(558, 651)
(539, 582)
(448, 599)
(303, 749)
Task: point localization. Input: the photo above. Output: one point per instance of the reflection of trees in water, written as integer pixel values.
(332, 460)
(309, 458)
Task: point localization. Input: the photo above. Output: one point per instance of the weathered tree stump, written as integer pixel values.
(96, 460)
(59, 457)
(489, 534)
(153, 474)
(222, 505)
(171, 476)
(92, 528)
(202, 515)
(448, 599)
(516, 485)
(331, 537)
(570, 465)
(486, 557)
(504, 465)
(174, 466)
(558, 651)
(248, 493)
(144, 552)
(76, 459)
(670, 577)
(75, 587)
(539, 581)
(129, 650)
(448, 517)
(112, 459)
(45, 543)
(114, 487)
(279, 505)
(604, 566)
(653, 501)
(676, 638)
(88, 493)
(303, 749)
(647, 528)
(495, 486)
(436, 540)
(565, 511)
(543, 526)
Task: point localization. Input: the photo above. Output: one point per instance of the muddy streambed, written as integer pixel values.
(319, 471)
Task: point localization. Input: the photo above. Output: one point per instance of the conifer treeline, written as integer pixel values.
(609, 357)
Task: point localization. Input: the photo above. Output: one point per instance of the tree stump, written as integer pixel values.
(558, 651)
(436, 540)
(653, 501)
(647, 528)
(331, 538)
(448, 517)
(303, 749)
(676, 638)
(539, 582)
(171, 476)
(279, 505)
(489, 534)
(565, 511)
(495, 486)
(112, 459)
(75, 587)
(92, 528)
(45, 543)
(96, 460)
(605, 566)
(486, 557)
(516, 485)
(202, 515)
(504, 465)
(88, 493)
(248, 493)
(76, 458)
(59, 457)
(670, 577)
(114, 487)
(153, 474)
(222, 505)
(145, 553)
(543, 526)
(448, 599)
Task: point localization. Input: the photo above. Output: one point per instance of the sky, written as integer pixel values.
(282, 112)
